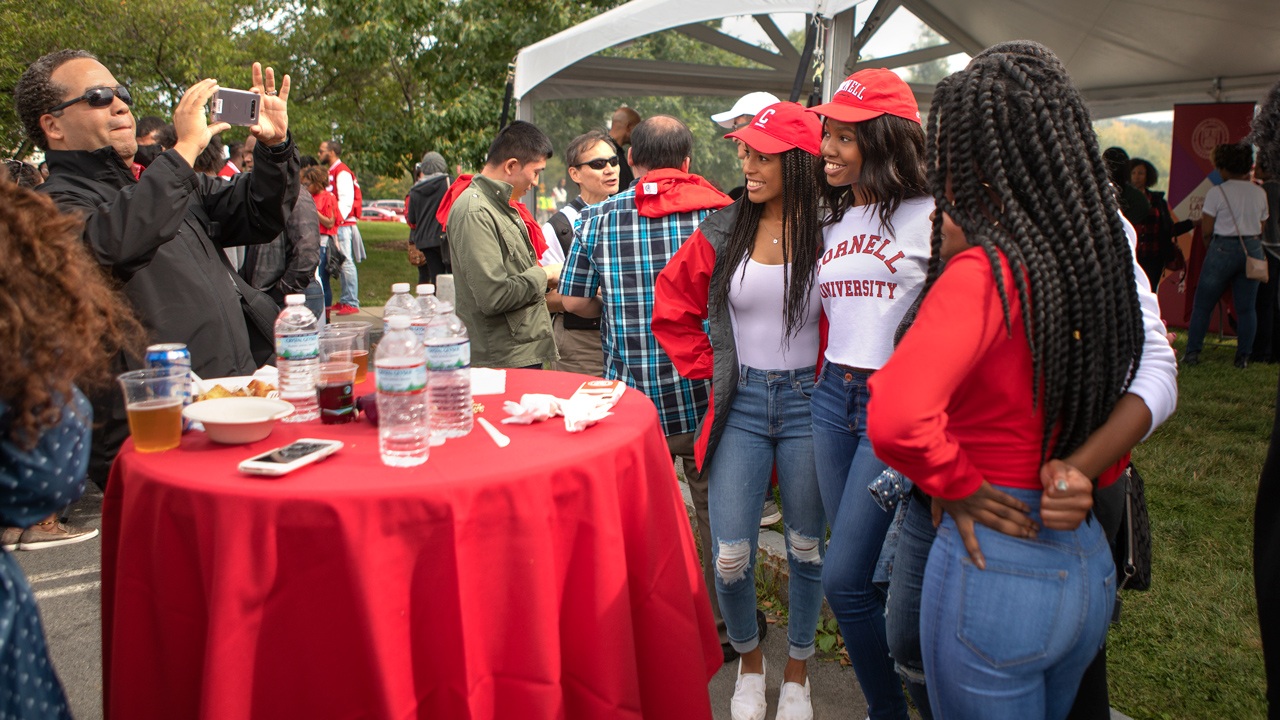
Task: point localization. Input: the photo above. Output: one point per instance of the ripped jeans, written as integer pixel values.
(767, 426)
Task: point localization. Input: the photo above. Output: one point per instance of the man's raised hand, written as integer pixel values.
(273, 116)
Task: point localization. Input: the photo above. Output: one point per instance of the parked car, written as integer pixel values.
(379, 214)
(395, 206)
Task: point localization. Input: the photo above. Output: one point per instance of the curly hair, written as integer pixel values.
(36, 92)
(801, 238)
(892, 150)
(314, 175)
(1153, 175)
(1266, 130)
(1012, 139)
(1235, 158)
(60, 322)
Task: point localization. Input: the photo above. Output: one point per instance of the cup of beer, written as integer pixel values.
(336, 345)
(153, 399)
(335, 392)
(360, 346)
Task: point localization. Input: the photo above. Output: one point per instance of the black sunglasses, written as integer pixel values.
(599, 163)
(98, 97)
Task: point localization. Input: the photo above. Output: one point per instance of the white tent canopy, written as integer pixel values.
(1127, 56)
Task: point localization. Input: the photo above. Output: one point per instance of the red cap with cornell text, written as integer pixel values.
(868, 94)
(780, 127)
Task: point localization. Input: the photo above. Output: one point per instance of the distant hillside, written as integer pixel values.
(1151, 141)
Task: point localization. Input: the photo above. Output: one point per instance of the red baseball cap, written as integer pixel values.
(869, 94)
(780, 127)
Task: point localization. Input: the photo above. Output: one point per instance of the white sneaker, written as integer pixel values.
(793, 702)
(748, 701)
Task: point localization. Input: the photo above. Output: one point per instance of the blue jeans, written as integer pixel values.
(1223, 266)
(768, 426)
(1013, 641)
(846, 465)
(902, 613)
(350, 280)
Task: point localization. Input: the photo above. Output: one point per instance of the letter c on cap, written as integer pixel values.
(764, 117)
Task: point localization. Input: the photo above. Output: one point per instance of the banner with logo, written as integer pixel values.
(1197, 130)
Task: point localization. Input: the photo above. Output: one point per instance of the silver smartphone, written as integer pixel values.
(286, 459)
(238, 107)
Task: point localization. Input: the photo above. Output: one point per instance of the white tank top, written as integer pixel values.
(757, 309)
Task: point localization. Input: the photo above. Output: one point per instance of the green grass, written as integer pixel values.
(387, 262)
(1189, 648)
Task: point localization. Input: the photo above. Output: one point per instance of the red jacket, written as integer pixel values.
(680, 305)
(357, 204)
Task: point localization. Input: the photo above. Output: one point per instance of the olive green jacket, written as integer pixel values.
(500, 291)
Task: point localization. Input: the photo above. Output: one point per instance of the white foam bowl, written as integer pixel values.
(238, 420)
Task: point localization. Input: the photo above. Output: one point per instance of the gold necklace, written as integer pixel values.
(775, 238)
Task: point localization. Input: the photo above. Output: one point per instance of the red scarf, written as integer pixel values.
(536, 239)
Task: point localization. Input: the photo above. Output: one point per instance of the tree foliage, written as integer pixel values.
(390, 78)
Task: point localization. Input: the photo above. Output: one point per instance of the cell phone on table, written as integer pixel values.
(286, 459)
(238, 107)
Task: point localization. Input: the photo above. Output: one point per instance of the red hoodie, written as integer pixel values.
(462, 183)
(668, 190)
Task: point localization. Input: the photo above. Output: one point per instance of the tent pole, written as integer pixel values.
(806, 57)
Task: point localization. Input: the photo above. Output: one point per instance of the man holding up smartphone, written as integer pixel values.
(162, 234)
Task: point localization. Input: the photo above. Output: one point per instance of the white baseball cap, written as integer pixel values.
(750, 105)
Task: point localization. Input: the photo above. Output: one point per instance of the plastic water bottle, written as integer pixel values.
(404, 423)
(449, 362)
(298, 358)
(428, 306)
(400, 303)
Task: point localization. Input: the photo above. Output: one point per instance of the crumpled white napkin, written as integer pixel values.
(578, 414)
(533, 407)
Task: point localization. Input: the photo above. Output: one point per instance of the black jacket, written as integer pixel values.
(421, 205)
(287, 265)
(161, 237)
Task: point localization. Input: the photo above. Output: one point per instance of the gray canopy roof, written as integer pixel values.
(1127, 56)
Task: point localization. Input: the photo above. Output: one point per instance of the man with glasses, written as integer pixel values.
(593, 166)
(161, 235)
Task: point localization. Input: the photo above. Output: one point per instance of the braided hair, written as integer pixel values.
(1010, 138)
(801, 239)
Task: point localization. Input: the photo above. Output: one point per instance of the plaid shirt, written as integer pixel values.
(616, 249)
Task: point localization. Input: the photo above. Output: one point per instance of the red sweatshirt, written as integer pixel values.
(953, 406)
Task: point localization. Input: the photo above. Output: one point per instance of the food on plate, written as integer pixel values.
(254, 388)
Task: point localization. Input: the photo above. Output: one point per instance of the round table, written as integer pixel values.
(553, 578)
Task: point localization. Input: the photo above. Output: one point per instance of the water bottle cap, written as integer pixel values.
(295, 299)
(398, 322)
(426, 289)
(400, 287)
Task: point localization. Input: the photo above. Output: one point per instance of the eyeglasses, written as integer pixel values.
(99, 97)
(600, 163)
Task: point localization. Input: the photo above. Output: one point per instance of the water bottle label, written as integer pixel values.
(402, 379)
(420, 330)
(450, 356)
(300, 346)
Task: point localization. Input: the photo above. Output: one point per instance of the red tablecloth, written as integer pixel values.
(555, 578)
